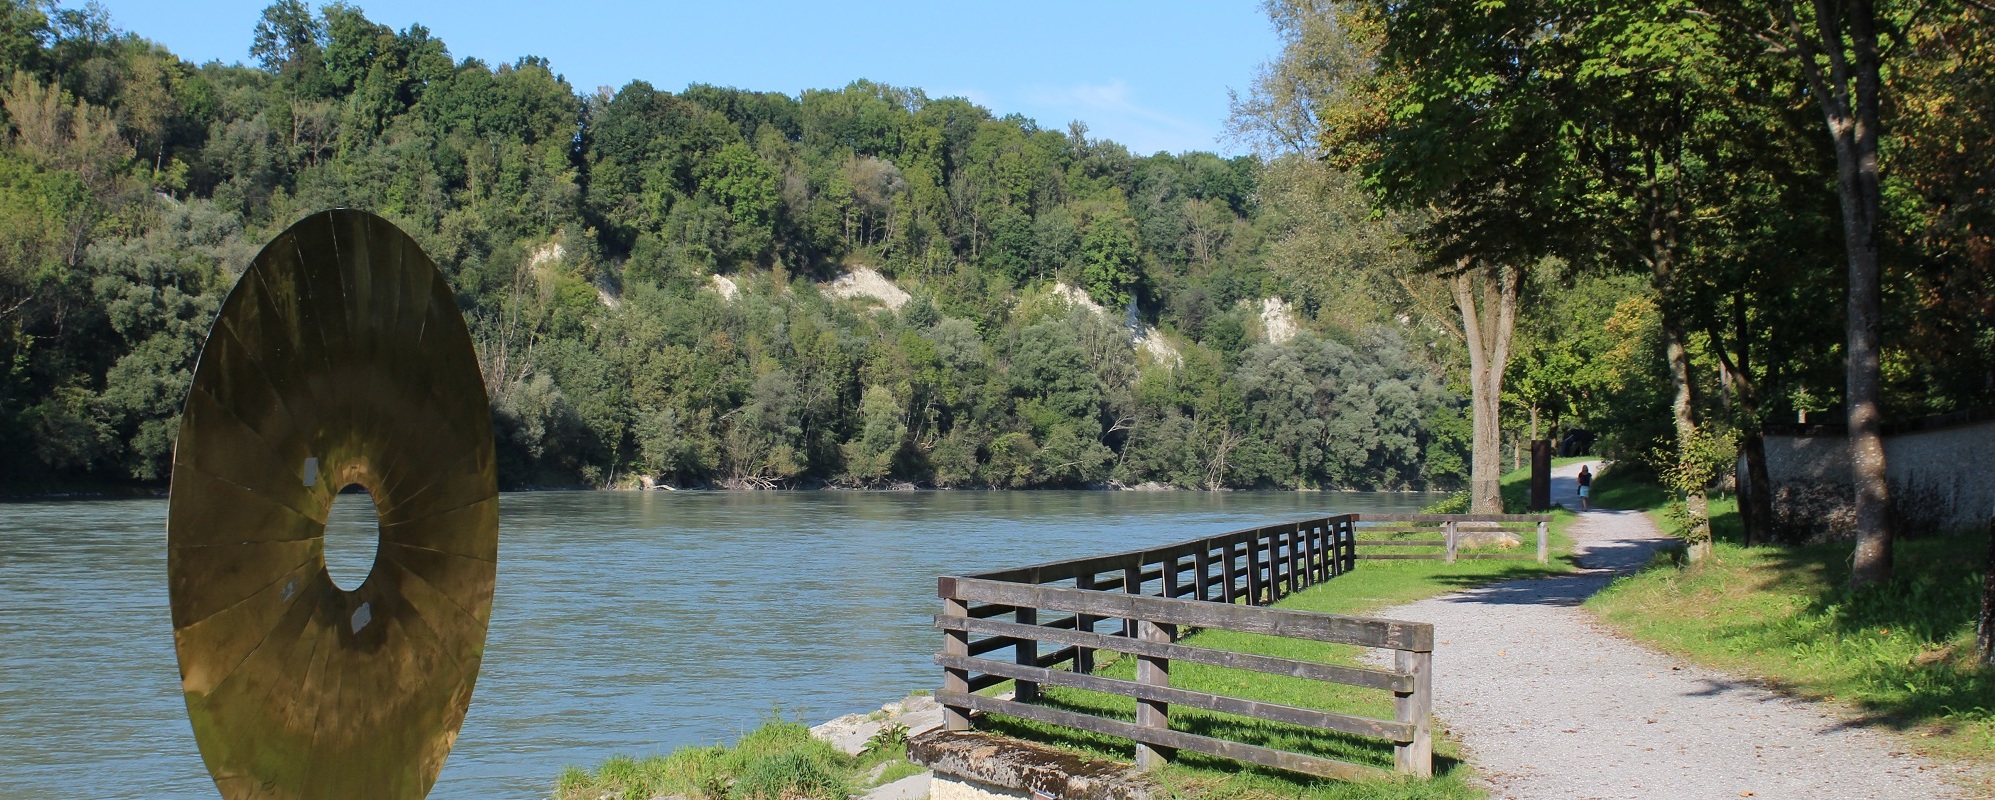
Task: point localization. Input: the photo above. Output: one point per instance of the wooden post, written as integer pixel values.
(1025, 652)
(1416, 708)
(1350, 545)
(955, 643)
(1274, 568)
(1312, 554)
(1449, 530)
(1153, 671)
(1084, 656)
(1229, 571)
(1253, 549)
(1201, 565)
(1297, 559)
(1132, 583)
(1544, 542)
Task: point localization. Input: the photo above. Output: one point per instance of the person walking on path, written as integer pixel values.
(1548, 704)
(1585, 486)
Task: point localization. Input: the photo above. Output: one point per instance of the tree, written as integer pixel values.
(1835, 45)
(1108, 261)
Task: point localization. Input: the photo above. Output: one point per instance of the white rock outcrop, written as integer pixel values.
(1278, 320)
(725, 286)
(868, 283)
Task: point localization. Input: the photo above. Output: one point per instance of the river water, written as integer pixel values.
(623, 622)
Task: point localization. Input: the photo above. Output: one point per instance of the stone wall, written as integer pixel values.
(1942, 475)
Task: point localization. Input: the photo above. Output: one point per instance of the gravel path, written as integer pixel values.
(1550, 704)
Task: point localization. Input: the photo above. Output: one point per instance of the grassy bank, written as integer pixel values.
(1895, 656)
(777, 761)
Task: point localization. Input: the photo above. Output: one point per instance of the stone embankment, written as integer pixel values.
(850, 733)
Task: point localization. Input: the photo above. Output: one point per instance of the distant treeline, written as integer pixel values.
(583, 233)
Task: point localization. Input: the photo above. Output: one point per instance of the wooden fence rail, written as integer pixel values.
(1150, 598)
(1446, 532)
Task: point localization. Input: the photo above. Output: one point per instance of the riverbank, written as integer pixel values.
(856, 755)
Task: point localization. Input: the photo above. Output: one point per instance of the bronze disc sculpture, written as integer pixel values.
(338, 359)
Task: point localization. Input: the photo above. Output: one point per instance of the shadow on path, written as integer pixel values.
(1606, 544)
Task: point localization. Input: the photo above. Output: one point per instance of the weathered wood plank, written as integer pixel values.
(1152, 712)
(1389, 730)
(1365, 631)
(1453, 518)
(1084, 658)
(1026, 651)
(1414, 755)
(1363, 677)
(1399, 543)
(1252, 754)
(1402, 556)
(955, 643)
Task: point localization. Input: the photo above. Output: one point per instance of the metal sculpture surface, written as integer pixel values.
(339, 359)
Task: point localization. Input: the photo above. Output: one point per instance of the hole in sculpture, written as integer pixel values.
(353, 538)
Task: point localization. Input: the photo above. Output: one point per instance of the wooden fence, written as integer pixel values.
(1152, 596)
(1427, 532)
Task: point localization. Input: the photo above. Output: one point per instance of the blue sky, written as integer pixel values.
(1152, 75)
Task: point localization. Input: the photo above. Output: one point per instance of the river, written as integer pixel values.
(624, 622)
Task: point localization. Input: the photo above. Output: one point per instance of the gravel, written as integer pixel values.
(1550, 704)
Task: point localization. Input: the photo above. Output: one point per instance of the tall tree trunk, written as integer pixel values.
(1848, 95)
(1487, 323)
(1757, 500)
(1683, 407)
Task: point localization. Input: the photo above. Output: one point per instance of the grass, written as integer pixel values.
(1896, 656)
(1373, 586)
(777, 761)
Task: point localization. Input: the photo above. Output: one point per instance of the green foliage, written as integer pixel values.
(890, 736)
(586, 238)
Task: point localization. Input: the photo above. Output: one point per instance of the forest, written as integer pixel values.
(869, 287)
(648, 273)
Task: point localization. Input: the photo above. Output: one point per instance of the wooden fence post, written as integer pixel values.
(1348, 534)
(1201, 564)
(955, 643)
(1297, 555)
(1084, 656)
(1253, 549)
(1416, 708)
(1449, 530)
(1229, 571)
(1025, 652)
(1274, 568)
(1544, 542)
(1311, 555)
(1132, 583)
(1153, 671)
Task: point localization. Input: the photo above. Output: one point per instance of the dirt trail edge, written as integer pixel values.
(1550, 704)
